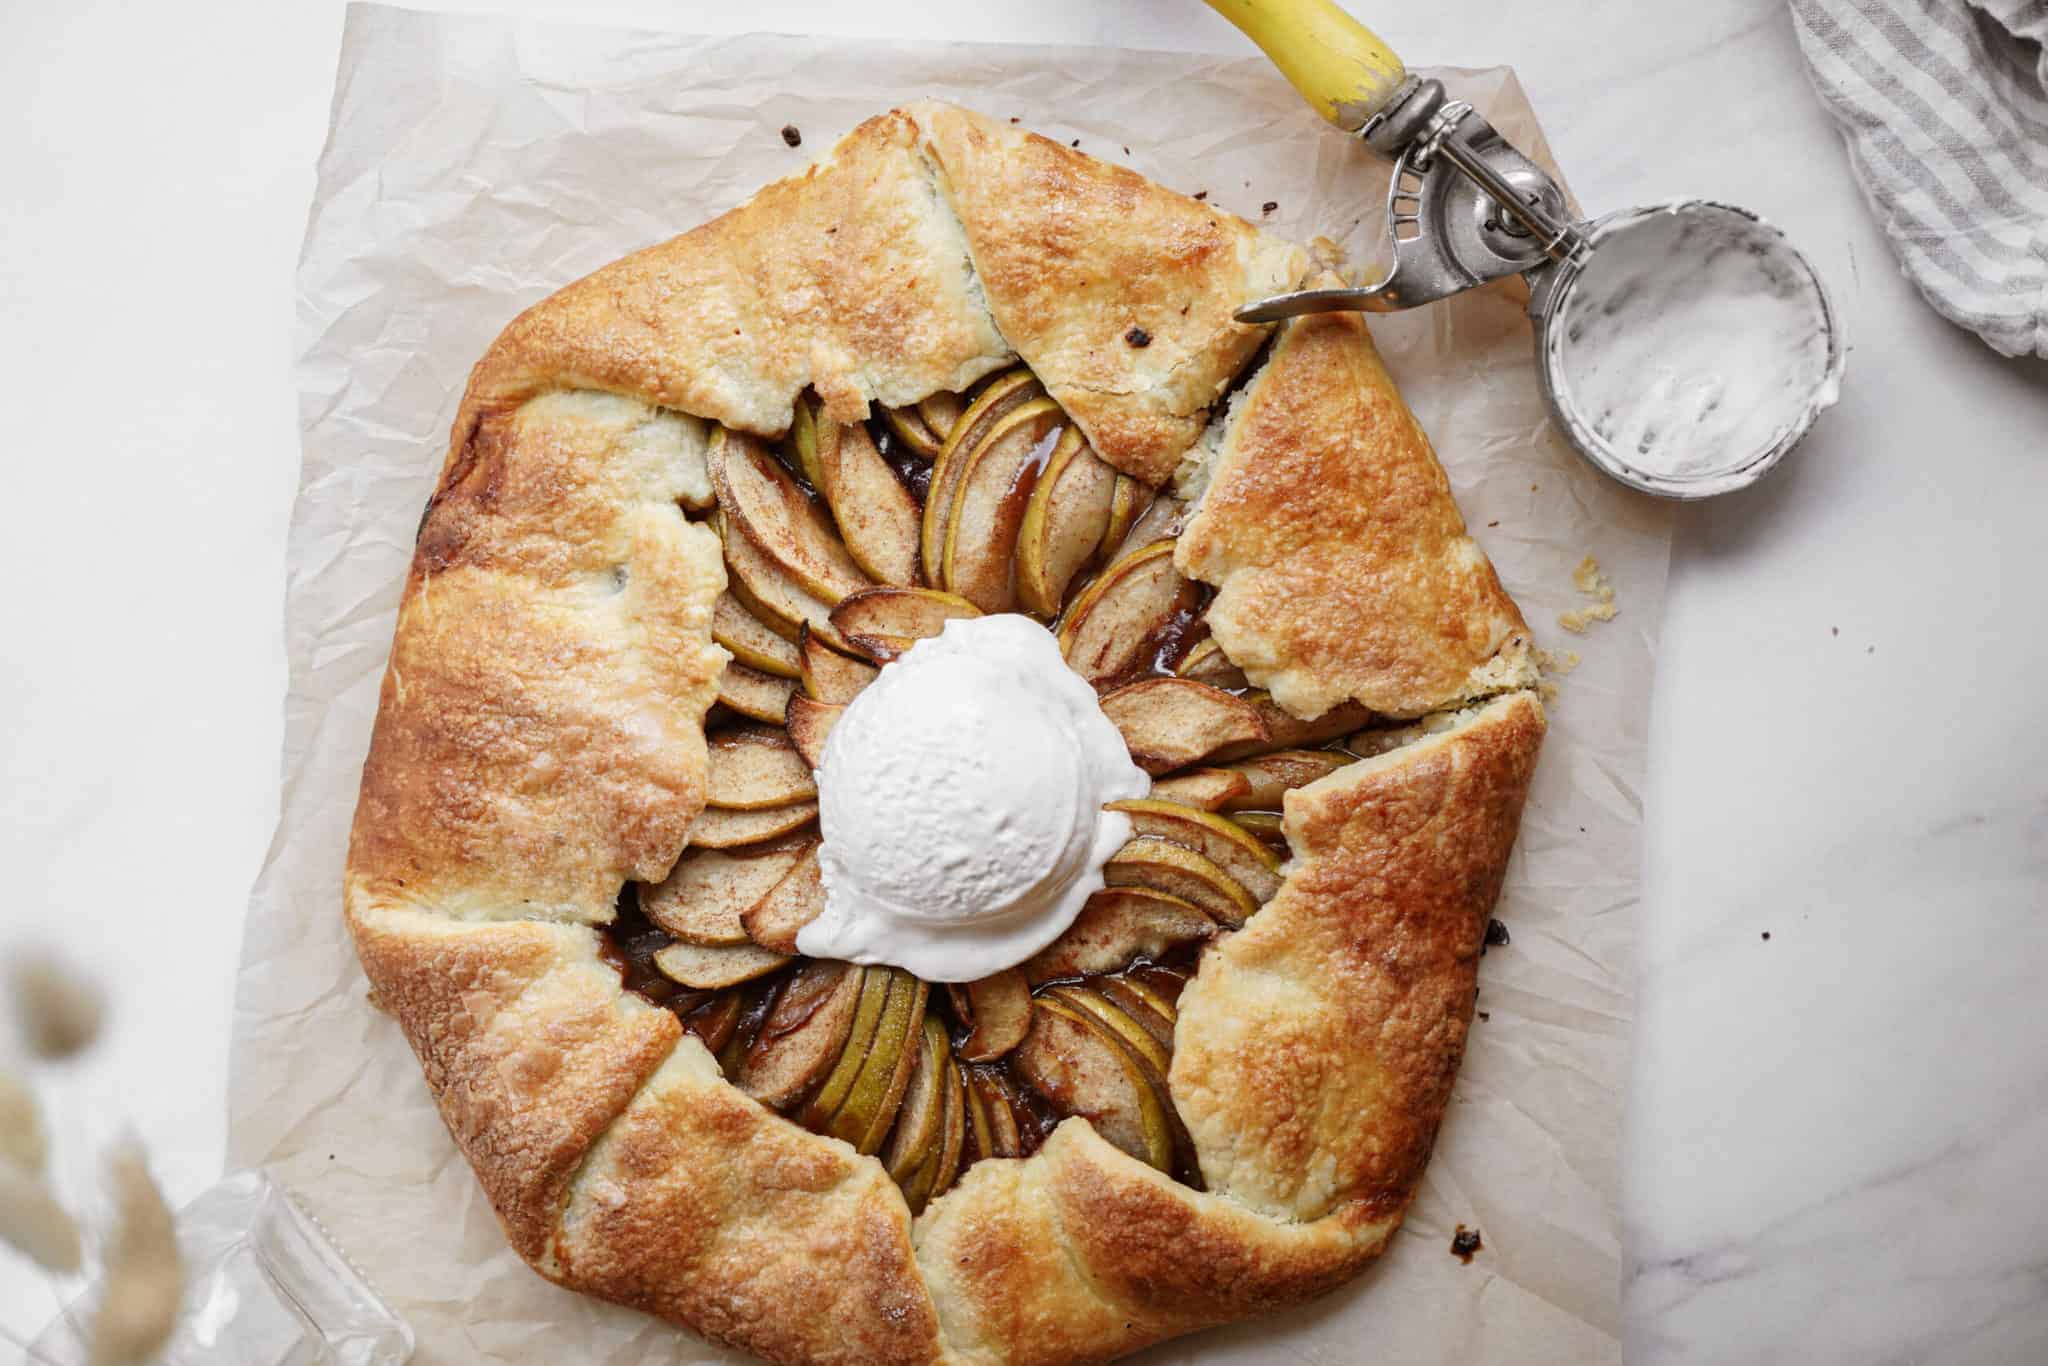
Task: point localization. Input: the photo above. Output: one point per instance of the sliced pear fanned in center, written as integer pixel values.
(808, 724)
(936, 1173)
(1228, 845)
(1169, 723)
(705, 894)
(713, 967)
(883, 623)
(989, 500)
(997, 1011)
(717, 1020)
(750, 640)
(756, 767)
(803, 1035)
(1079, 1065)
(764, 503)
(877, 517)
(1158, 520)
(829, 676)
(1266, 825)
(864, 1117)
(998, 1109)
(753, 694)
(1063, 524)
(1179, 871)
(1208, 789)
(1113, 629)
(1155, 1013)
(996, 399)
(720, 827)
(795, 900)
(1117, 925)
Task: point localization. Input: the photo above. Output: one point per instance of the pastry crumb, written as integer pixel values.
(1588, 579)
(1269, 206)
(1327, 255)
(1465, 1242)
(792, 135)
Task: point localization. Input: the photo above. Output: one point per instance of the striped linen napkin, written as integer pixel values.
(1944, 106)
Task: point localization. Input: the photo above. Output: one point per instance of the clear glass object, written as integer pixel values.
(265, 1286)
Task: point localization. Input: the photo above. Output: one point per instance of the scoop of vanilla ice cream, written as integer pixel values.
(960, 799)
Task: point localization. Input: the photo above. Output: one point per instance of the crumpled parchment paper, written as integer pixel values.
(474, 166)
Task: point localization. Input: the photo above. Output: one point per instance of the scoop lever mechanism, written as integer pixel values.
(1464, 207)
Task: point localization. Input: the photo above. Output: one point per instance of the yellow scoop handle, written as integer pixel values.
(1338, 64)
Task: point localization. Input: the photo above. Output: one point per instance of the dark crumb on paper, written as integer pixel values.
(1496, 935)
(1465, 1242)
(1269, 206)
(792, 135)
(1485, 1014)
(1138, 337)
(1834, 630)
(1870, 649)
(1767, 934)
(1075, 143)
(1015, 119)
(1494, 522)
(1127, 151)
(1201, 195)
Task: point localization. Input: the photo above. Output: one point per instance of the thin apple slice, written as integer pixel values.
(997, 1010)
(1266, 825)
(1205, 662)
(1160, 520)
(1227, 844)
(981, 1141)
(1284, 730)
(882, 623)
(1006, 1135)
(751, 641)
(863, 1116)
(953, 1139)
(1126, 505)
(829, 676)
(796, 899)
(713, 967)
(910, 429)
(941, 412)
(1063, 524)
(756, 767)
(1078, 1065)
(1206, 789)
(808, 724)
(997, 398)
(877, 517)
(705, 894)
(802, 445)
(989, 499)
(1156, 1057)
(718, 1019)
(875, 984)
(1179, 871)
(920, 1120)
(753, 694)
(763, 588)
(1155, 1014)
(758, 496)
(802, 1036)
(1114, 626)
(1117, 925)
(1169, 723)
(718, 827)
(1269, 777)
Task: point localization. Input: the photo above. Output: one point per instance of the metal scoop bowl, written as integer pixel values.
(1465, 207)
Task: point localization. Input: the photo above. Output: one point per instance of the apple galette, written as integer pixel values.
(917, 813)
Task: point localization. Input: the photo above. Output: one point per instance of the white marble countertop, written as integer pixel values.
(1836, 1125)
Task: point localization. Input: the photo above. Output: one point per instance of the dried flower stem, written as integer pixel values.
(145, 1277)
(34, 1223)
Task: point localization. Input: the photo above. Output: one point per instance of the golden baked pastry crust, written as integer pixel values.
(1342, 566)
(539, 743)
